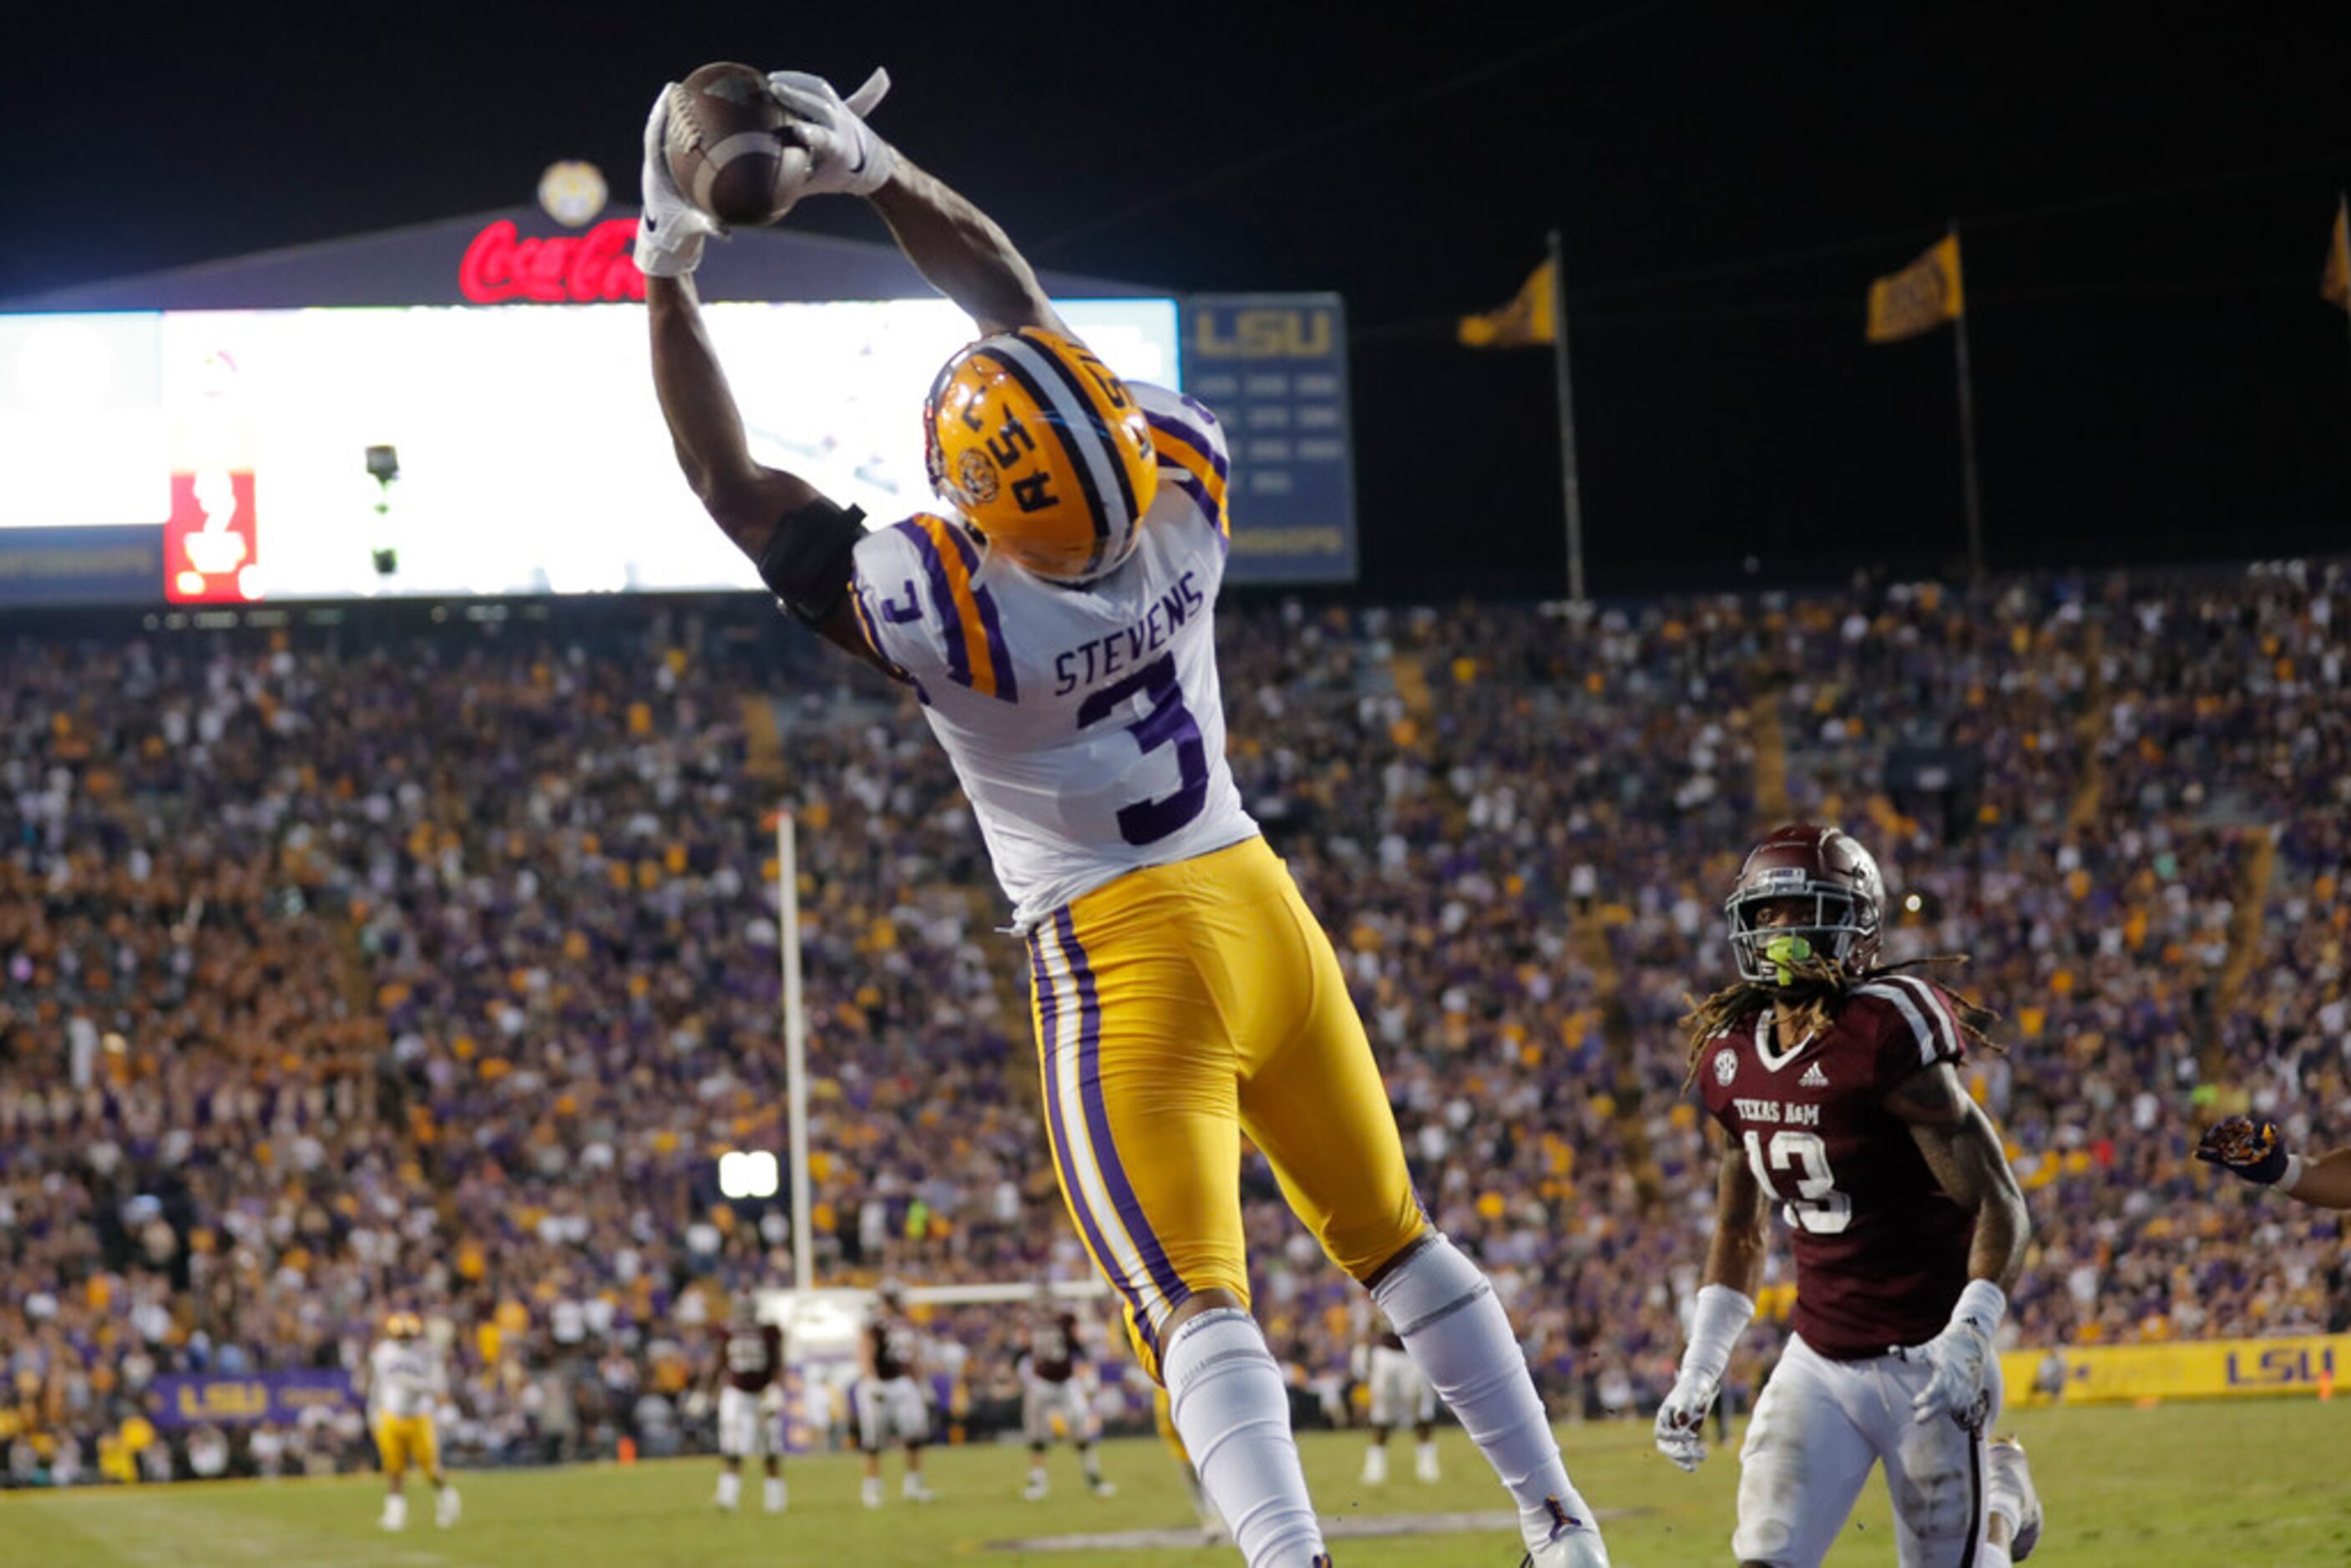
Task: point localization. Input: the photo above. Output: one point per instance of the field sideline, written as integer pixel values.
(2185, 1484)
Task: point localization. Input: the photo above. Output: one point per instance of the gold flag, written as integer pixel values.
(1920, 297)
(2334, 283)
(1527, 320)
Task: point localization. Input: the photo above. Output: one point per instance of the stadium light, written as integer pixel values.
(747, 1174)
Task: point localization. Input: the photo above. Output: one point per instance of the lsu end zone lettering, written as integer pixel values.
(1274, 367)
(2215, 1369)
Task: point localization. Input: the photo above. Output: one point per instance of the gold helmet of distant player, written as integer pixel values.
(1043, 451)
(403, 1325)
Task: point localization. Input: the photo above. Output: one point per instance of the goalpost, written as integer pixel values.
(804, 1293)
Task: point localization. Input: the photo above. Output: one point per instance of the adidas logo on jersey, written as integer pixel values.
(1813, 1078)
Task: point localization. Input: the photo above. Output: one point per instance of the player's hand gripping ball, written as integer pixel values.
(2251, 1149)
(732, 147)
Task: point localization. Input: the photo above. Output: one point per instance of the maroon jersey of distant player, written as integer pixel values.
(1053, 1346)
(1881, 1249)
(894, 1347)
(754, 1357)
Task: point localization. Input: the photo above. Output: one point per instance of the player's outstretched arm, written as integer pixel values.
(1725, 1305)
(1963, 1149)
(800, 542)
(963, 252)
(2255, 1151)
(952, 243)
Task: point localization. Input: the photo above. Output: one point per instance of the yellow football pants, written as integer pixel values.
(404, 1440)
(1177, 1009)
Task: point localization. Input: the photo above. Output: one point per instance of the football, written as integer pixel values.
(730, 145)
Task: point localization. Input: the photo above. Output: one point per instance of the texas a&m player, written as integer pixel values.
(1399, 1394)
(888, 1398)
(1834, 1081)
(1056, 619)
(749, 1373)
(1054, 1390)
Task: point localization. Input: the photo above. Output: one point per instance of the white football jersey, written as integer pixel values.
(403, 1377)
(1085, 722)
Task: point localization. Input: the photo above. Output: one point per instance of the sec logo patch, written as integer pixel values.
(1726, 1066)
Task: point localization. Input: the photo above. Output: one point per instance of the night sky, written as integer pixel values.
(2145, 193)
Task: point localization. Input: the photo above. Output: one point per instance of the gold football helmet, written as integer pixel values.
(1044, 452)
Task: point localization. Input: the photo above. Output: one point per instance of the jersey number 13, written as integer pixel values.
(1817, 1205)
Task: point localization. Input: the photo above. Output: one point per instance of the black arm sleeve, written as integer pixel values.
(806, 561)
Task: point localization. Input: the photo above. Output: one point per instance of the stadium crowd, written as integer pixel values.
(358, 968)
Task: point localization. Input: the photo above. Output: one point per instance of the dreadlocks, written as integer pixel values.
(1816, 993)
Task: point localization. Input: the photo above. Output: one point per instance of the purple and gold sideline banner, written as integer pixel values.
(191, 1399)
(2211, 1369)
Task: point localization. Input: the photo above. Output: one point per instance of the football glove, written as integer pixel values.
(2249, 1148)
(670, 229)
(1681, 1419)
(845, 155)
(1959, 1357)
(1722, 1315)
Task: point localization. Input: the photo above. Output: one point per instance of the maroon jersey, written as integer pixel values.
(1053, 1346)
(894, 1347)
(754, 1357)
(1881, 1249)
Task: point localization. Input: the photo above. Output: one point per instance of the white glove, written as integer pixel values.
(845, 155)
(1960, 1355)
(670, 229)
(1722, 1315)
(1681, 1419)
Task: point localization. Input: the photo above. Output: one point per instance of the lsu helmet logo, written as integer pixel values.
(1044, 452)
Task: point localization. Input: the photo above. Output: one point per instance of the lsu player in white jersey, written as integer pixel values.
(405, 1384)
(1056, 619)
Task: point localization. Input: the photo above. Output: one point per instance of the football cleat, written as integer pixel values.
(2006, 1456)
(1044, 452)
(1035, 1490)
(445, 1507)
(1424, 1465)
(1573, 1542)
(1375, 1466)
(1103, 1488)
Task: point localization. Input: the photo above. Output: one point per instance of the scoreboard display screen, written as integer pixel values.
(236, 456)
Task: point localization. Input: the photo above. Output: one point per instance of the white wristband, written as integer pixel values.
(1982, 1304)
(1722, 1315)
(2295, 1167)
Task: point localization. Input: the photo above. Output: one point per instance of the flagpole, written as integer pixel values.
(1571, 483)
(1968, 434)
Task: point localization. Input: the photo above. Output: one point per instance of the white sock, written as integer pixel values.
(1226, 1395)
(395, 1510)
(1460, 1339)
(1375, 1466)
(2005, 1502)
(730, 1486)
(872, 1491)
(775, 1494)
(912, 1485)
(1990, 1556)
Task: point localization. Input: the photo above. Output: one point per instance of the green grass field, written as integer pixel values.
(2253, 1483)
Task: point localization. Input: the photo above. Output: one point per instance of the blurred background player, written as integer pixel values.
(1058, 624)
(1835, 1080)
(749, 1376)
(888, 1400)
(1399, 1394)
(405, 1382)
(1053, 1389)
(2257, 1151)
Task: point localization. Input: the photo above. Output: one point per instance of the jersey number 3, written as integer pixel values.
(1166, 722)
(1818, 1207)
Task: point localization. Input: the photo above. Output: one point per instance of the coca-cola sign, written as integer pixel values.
(566, 269)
